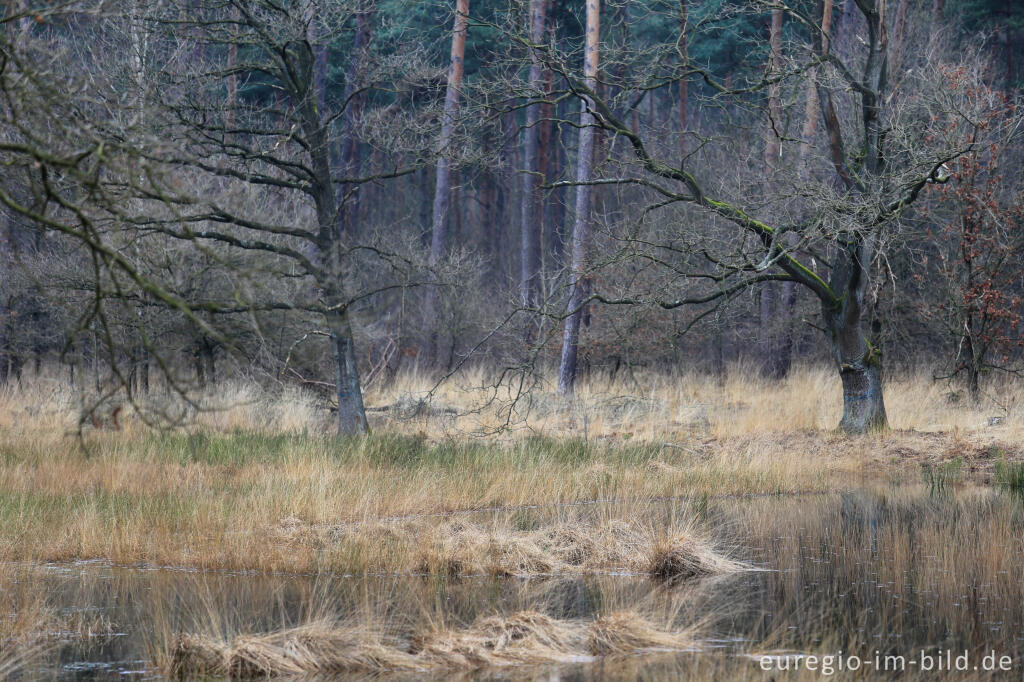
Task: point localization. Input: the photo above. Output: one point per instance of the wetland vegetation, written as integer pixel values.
(252, 543)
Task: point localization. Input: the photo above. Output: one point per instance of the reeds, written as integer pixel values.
(572, 547)
(216, 494)
(522, 638)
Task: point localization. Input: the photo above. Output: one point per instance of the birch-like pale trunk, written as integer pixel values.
(582, 226)
(530, 218)
(439, 233)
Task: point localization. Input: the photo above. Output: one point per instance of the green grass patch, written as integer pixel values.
(1010, 477)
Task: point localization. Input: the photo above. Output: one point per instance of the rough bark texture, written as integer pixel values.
(351, 413)
(899, 34)
(859, 360)
(581, 227)
(530, 225)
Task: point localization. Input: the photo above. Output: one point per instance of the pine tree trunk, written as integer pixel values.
(530, 227)
(684, 113)
(439, 232)
(355, 104)
(769, 346)
(581, 227)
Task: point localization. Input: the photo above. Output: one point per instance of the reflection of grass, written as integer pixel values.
(32, 619)
(898, 567)
(871, 567)
(324, 647)
(939, 477)
(1010, 476)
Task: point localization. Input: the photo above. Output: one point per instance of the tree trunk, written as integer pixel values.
(330, 268)
(351, 413)
(530, 227)
(355, 104)
(439, 233)
(899, 34)
(581, 227)
(5, 342)
(973, 364)
(769, 351)
(684, 113)
(232, 84)
(859, 361)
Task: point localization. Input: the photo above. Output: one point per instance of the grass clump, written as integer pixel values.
(521, 638)
(684, 557)
(1010, 477)
(569, 548)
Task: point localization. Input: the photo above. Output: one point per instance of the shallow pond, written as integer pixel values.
(906, 579)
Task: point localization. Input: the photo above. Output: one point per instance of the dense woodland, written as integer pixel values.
(331, 192)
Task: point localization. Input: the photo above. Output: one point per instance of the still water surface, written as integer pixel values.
(909, 572)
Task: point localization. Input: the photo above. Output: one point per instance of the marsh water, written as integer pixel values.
(930, 575)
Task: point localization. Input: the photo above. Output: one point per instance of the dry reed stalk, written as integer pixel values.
(460, 548)
(685, 557)
(523, 638)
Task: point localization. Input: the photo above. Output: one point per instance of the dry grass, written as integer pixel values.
(458, 548)
(523, 638)
(208, 496)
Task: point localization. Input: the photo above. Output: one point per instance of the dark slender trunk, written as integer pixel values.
(973, 364)
(769, 331)
(530, 227)
(197, 363)
(440, 233)
(232, 85)
(144, 373)
(767, 350)
(549, 168)
(559, 199)
(784, 346)
(355, 103)
(5, 341)
(330, 270)
(351, 413)
(684, 112)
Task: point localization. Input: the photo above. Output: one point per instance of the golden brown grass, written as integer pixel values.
(522, 638)
(260, 484)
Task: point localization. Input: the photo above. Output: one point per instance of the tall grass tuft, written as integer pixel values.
(1010, 477)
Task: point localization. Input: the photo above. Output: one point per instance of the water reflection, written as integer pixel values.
(895, 571)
